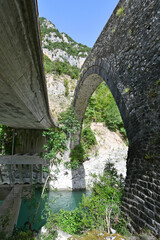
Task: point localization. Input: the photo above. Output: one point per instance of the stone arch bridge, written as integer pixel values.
(127, 57)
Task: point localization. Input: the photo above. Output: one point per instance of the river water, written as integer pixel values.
(57, 200)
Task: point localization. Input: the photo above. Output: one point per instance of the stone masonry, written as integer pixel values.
(127, 57)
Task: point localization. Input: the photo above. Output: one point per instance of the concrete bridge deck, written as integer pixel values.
(23, 93)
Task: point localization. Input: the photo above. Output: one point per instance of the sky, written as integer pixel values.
(82, 20)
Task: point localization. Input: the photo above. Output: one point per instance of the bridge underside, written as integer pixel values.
(127, 57)
(23, 94)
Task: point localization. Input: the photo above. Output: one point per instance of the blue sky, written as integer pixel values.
(82, 20)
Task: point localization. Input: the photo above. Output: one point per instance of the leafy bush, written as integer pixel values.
(91, 213)
(88, 138)
(22, 235)
(66, 87)
(68, 122)
(77, 156)
(6, 134)
(45, 30)
(103, 108)
(56, 143)
(60, 68)
(57, 137)
(71, 48)
(120, 11)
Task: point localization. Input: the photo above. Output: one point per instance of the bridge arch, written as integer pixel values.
(142, 190)
(126, 57)
(89, 81)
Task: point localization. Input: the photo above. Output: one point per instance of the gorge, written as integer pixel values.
(125, 57)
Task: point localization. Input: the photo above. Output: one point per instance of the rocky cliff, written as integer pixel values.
(61, 47)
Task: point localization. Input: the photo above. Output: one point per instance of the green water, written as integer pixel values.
(1, 202)
(67, 200)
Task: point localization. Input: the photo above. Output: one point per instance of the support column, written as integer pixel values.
(31, 173)
(1, 177)
(41, 173)
(20, 173)
(9, 173)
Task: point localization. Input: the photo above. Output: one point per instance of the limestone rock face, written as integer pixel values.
(110, 149)
(59, 101)
(60, 55)
(61, 47)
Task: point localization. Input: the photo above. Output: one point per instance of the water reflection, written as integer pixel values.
(57, 200)
(67, 200)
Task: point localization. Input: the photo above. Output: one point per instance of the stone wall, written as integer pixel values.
(127, 57)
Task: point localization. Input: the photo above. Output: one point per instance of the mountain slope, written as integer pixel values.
(63, 58)
(61, 47)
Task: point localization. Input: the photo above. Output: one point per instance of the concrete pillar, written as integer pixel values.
(20, 173)
(31, 173)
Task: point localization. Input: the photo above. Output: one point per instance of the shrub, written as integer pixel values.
(103, 108)
(88, 138)
(57, 137)
(60, 68)
(22, 235)
(91, 213)
(70, 48)
(6, 135)
(66, 87)
(77, 155)
(120, 11)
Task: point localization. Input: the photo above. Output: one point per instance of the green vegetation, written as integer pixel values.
(69, 38)
(79, 153)
(127, 90)
(66, 87)
(5, 139)
(45, 30)
(120, 12)
(77, 157)
(158, 82)
(56, 144)
(72, 48)
(57, 137)
(130, 31)
(88, 138)
(22, 235)
(93, 211)
(103, 108)
(57, 140)
(60, 68)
